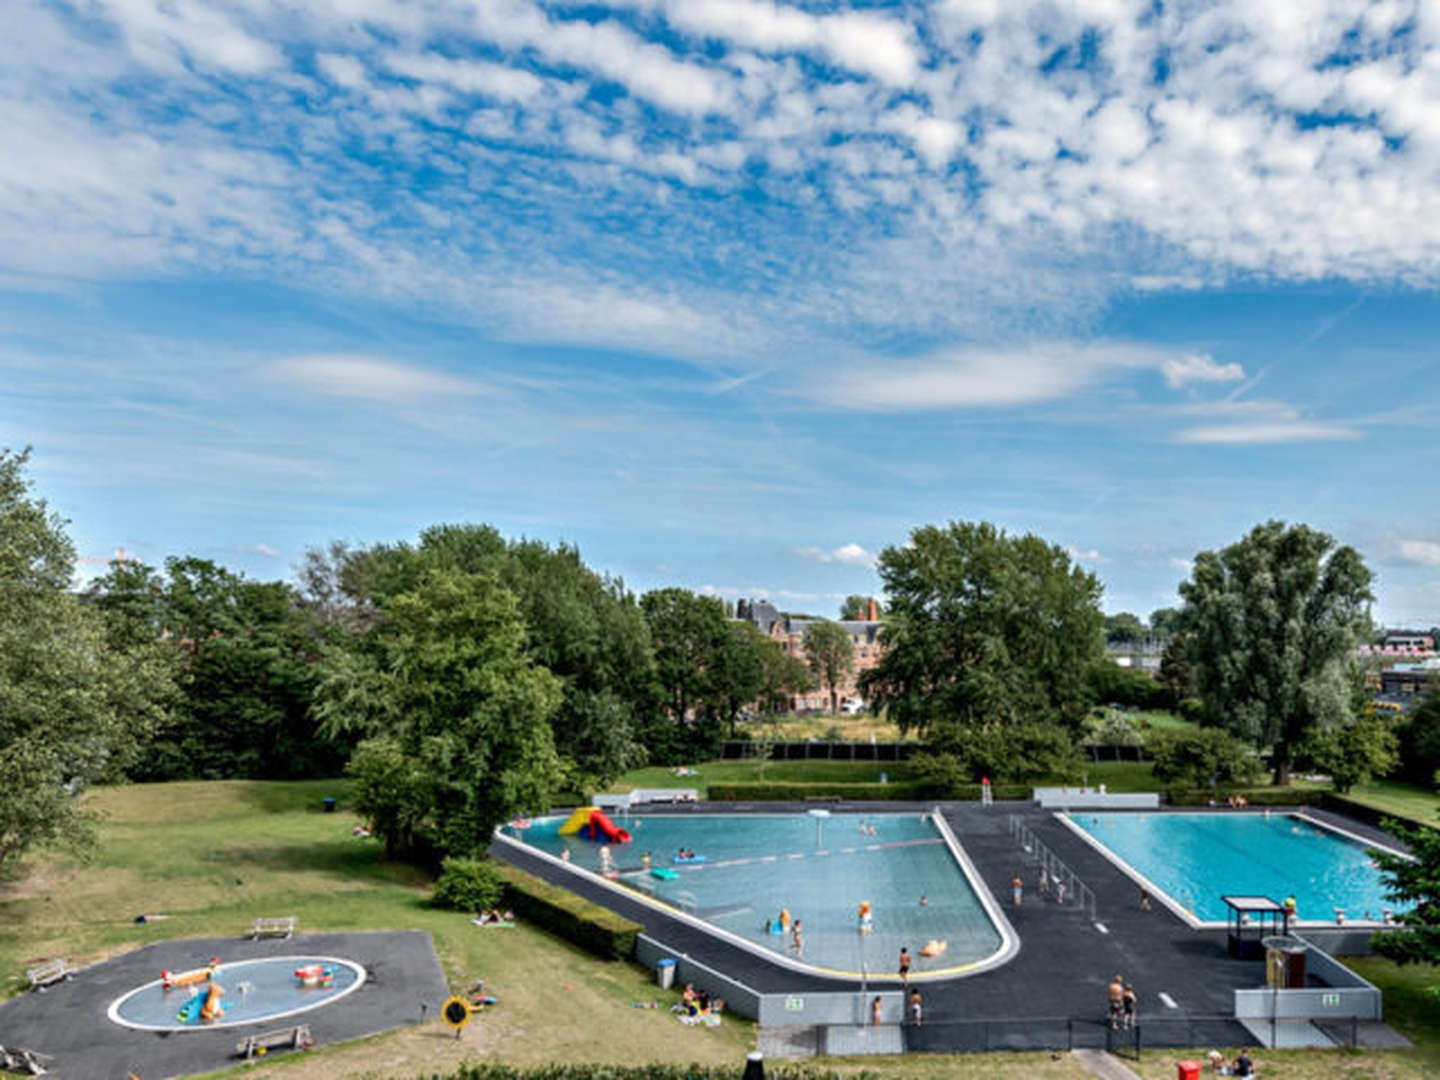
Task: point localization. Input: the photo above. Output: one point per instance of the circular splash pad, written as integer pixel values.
(253, 990)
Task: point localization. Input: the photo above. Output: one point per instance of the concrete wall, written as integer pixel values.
(774, 1010)
(1346, 995)
(1054, 798)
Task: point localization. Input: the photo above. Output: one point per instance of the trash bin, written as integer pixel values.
(1188, 1070)
(665, 973)
(329, 806)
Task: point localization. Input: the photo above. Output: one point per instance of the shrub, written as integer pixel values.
(594, 928)
(1255, 797)
(1016, 753)
(1110, 684)
(467, 885)
(1113, 728)
(494, 1070)
(1192, 759)
(1190, 709)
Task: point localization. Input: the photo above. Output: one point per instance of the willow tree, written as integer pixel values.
(1271, 625)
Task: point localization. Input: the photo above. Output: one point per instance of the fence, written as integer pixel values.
(1065, 887)
(744, 749)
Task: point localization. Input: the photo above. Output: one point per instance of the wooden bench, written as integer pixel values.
(25, 1062)
(294, 1038)
(49, 974)
(284, 927)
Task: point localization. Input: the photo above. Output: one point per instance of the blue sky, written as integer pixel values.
(731, 294)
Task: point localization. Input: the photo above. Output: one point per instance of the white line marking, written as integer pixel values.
(1168, 1001)
(1102, 928)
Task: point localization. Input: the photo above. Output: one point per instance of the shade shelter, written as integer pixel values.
(1250, 921)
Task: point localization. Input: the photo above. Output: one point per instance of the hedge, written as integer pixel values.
(1253, 796)
(1330, 800)
(594, 928)
(497, 1071)
(910, 791)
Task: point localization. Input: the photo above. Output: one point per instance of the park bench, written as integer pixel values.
(291, 1038)
(24, 1062)
(282, 927)
(49, 974)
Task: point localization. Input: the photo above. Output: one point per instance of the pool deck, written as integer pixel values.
(1064, 962)
(69, 1022)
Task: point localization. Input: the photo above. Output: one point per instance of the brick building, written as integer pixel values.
(790, 633)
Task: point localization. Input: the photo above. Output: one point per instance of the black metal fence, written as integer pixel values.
(743, 749)
(1158, 1032)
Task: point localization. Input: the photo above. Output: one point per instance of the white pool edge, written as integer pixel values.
(1009, 943)
(113, 1013)
(1181, 912)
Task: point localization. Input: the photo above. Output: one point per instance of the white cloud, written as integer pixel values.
(261, 549)
(978, 377)
(1266, 432)
(1186, 566)
(1091, 556)
(1179, 371)
(851, 554)
(367, 377)
(1422, 552)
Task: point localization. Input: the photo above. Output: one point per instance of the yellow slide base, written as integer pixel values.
(576, 821)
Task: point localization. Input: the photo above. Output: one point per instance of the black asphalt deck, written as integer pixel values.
(69, 1020)
(1065, 961)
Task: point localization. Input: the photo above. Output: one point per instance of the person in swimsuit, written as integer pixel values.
(904, 966)
(875, 1011)
(1127, 1007)
(1115, 995)
(797, 941)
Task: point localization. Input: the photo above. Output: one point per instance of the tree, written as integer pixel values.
(242, 652)
(1177, 675)
(1415, 885)
(74, 706)
(1420, 740)
(1164, 622)
(585, 628)
(984, 628)
(1271, 623)
(831, 656)
(1198, 759)
(457, 716)
(737, 673)
(1356, 751)
(856, 607)
(785, 675)
(1124, 628)
(687, 631)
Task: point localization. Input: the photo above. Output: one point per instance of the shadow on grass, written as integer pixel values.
(349, 859)
(291, 796)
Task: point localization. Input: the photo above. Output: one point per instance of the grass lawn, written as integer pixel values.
(719, 772)
(1394, 797)
(843, 728)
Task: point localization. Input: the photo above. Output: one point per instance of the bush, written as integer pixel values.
(1190, 709)
(1015, 753)
(467, 885)
(1420, 741)
(1113, 728)
(1110, 684)
(1192, 759)
(594, 928)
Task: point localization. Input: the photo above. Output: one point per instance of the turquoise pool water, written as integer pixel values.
(254, 990)
(756, 864)
(1197, 858)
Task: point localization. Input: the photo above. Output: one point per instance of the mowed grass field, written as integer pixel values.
(214, 855)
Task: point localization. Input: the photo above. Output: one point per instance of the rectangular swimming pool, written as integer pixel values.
(817, 869)
(1195, 858)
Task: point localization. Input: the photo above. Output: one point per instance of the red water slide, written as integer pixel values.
(599, 823)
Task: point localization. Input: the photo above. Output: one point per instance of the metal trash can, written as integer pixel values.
(665, 972)
(329, 806)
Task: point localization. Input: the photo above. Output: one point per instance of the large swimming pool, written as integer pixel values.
(818, 869)
(1197, 858)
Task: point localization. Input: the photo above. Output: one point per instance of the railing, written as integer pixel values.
(1065, 889)
(807, 750)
